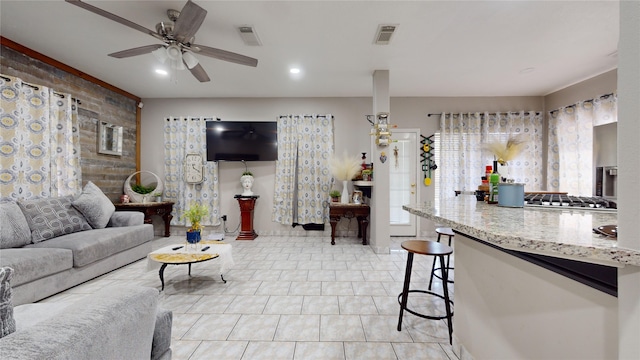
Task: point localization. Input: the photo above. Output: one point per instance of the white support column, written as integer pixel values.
(379, 224)
(629, 178)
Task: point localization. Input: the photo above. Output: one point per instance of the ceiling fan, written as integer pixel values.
(178, 36)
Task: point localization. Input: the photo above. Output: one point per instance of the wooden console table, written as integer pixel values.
(359, 211)
(162, 209)
(247, 203)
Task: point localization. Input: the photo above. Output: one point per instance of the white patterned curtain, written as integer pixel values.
(285, 178)
(570, 159)
(39, 142)
(182, 136)
(303, 179)
(463, 154)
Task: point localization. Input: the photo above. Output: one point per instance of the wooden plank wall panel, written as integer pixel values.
(97, 103)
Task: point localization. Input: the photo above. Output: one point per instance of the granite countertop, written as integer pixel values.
(560, 233)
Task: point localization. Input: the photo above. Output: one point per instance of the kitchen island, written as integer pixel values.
(521, 288)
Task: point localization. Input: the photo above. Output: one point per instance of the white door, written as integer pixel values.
(403, 156)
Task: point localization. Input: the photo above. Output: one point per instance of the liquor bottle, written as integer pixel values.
(494, 180)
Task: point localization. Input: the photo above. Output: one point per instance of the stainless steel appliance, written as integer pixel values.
(607, 181)
(562, 201)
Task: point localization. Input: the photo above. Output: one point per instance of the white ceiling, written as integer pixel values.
(441, 48)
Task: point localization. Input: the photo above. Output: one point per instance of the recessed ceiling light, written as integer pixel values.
(294, 71)
(161, 72)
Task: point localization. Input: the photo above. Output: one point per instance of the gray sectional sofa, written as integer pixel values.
(56, 243)
(115, 323)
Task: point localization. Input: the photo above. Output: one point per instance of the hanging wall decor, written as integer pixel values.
(383, 157)
(382, 129)
(395, 155)
(426, 157)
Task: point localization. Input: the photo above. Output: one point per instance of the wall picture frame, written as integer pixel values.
(109, 138)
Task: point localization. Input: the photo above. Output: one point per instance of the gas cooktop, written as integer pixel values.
(564, 201)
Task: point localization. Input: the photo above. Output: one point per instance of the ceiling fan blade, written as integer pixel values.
(135, 51)
(114, 17)
(199, 73)
(189, 21)
(224, 55)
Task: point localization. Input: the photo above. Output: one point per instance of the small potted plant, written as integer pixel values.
(145, 191)
(335, 195)
(158, 196)
(194, 214)
(367, 174)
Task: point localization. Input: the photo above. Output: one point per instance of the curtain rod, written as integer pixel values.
(482, 114)
(601, 97)
(193, 118)
(324, 116)
(35, 87)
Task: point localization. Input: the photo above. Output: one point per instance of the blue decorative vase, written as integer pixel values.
(193, 237)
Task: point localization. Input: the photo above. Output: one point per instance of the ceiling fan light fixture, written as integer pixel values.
(174, 52)
(160, 54)
(189, 59)
(178, 64)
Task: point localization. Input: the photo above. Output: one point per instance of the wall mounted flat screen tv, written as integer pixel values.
(242, 141)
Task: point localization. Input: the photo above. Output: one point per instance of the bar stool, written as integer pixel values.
(441, 231)
(435, 249)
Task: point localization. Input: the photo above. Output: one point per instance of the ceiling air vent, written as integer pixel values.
(249, 36)
(384, 33)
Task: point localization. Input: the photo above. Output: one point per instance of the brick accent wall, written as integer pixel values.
(97, 103)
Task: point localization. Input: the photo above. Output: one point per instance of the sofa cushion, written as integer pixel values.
(97, 244)
(7, 322)
(33, 264)
(14, 230)
(126, 218)
(51, 217)
(95, 206)
(29, 315)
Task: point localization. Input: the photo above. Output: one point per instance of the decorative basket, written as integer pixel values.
(141, 198)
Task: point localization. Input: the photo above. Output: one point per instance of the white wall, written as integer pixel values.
(605, 145)
(629, 178)
(351, 134)
(596, 86)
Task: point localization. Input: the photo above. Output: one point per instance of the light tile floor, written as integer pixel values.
(293, 298)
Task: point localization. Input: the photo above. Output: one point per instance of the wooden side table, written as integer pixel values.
(359, 211)
(247, 203)
(163, 209)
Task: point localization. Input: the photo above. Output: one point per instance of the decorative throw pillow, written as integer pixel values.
(7, 322)
(14, 230)
(95, 206)
(51, 217)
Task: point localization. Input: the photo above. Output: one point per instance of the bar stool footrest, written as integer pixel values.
(440, 277)
(431, 317)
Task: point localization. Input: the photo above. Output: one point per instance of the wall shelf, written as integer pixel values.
(365, 186)
(363, 183)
